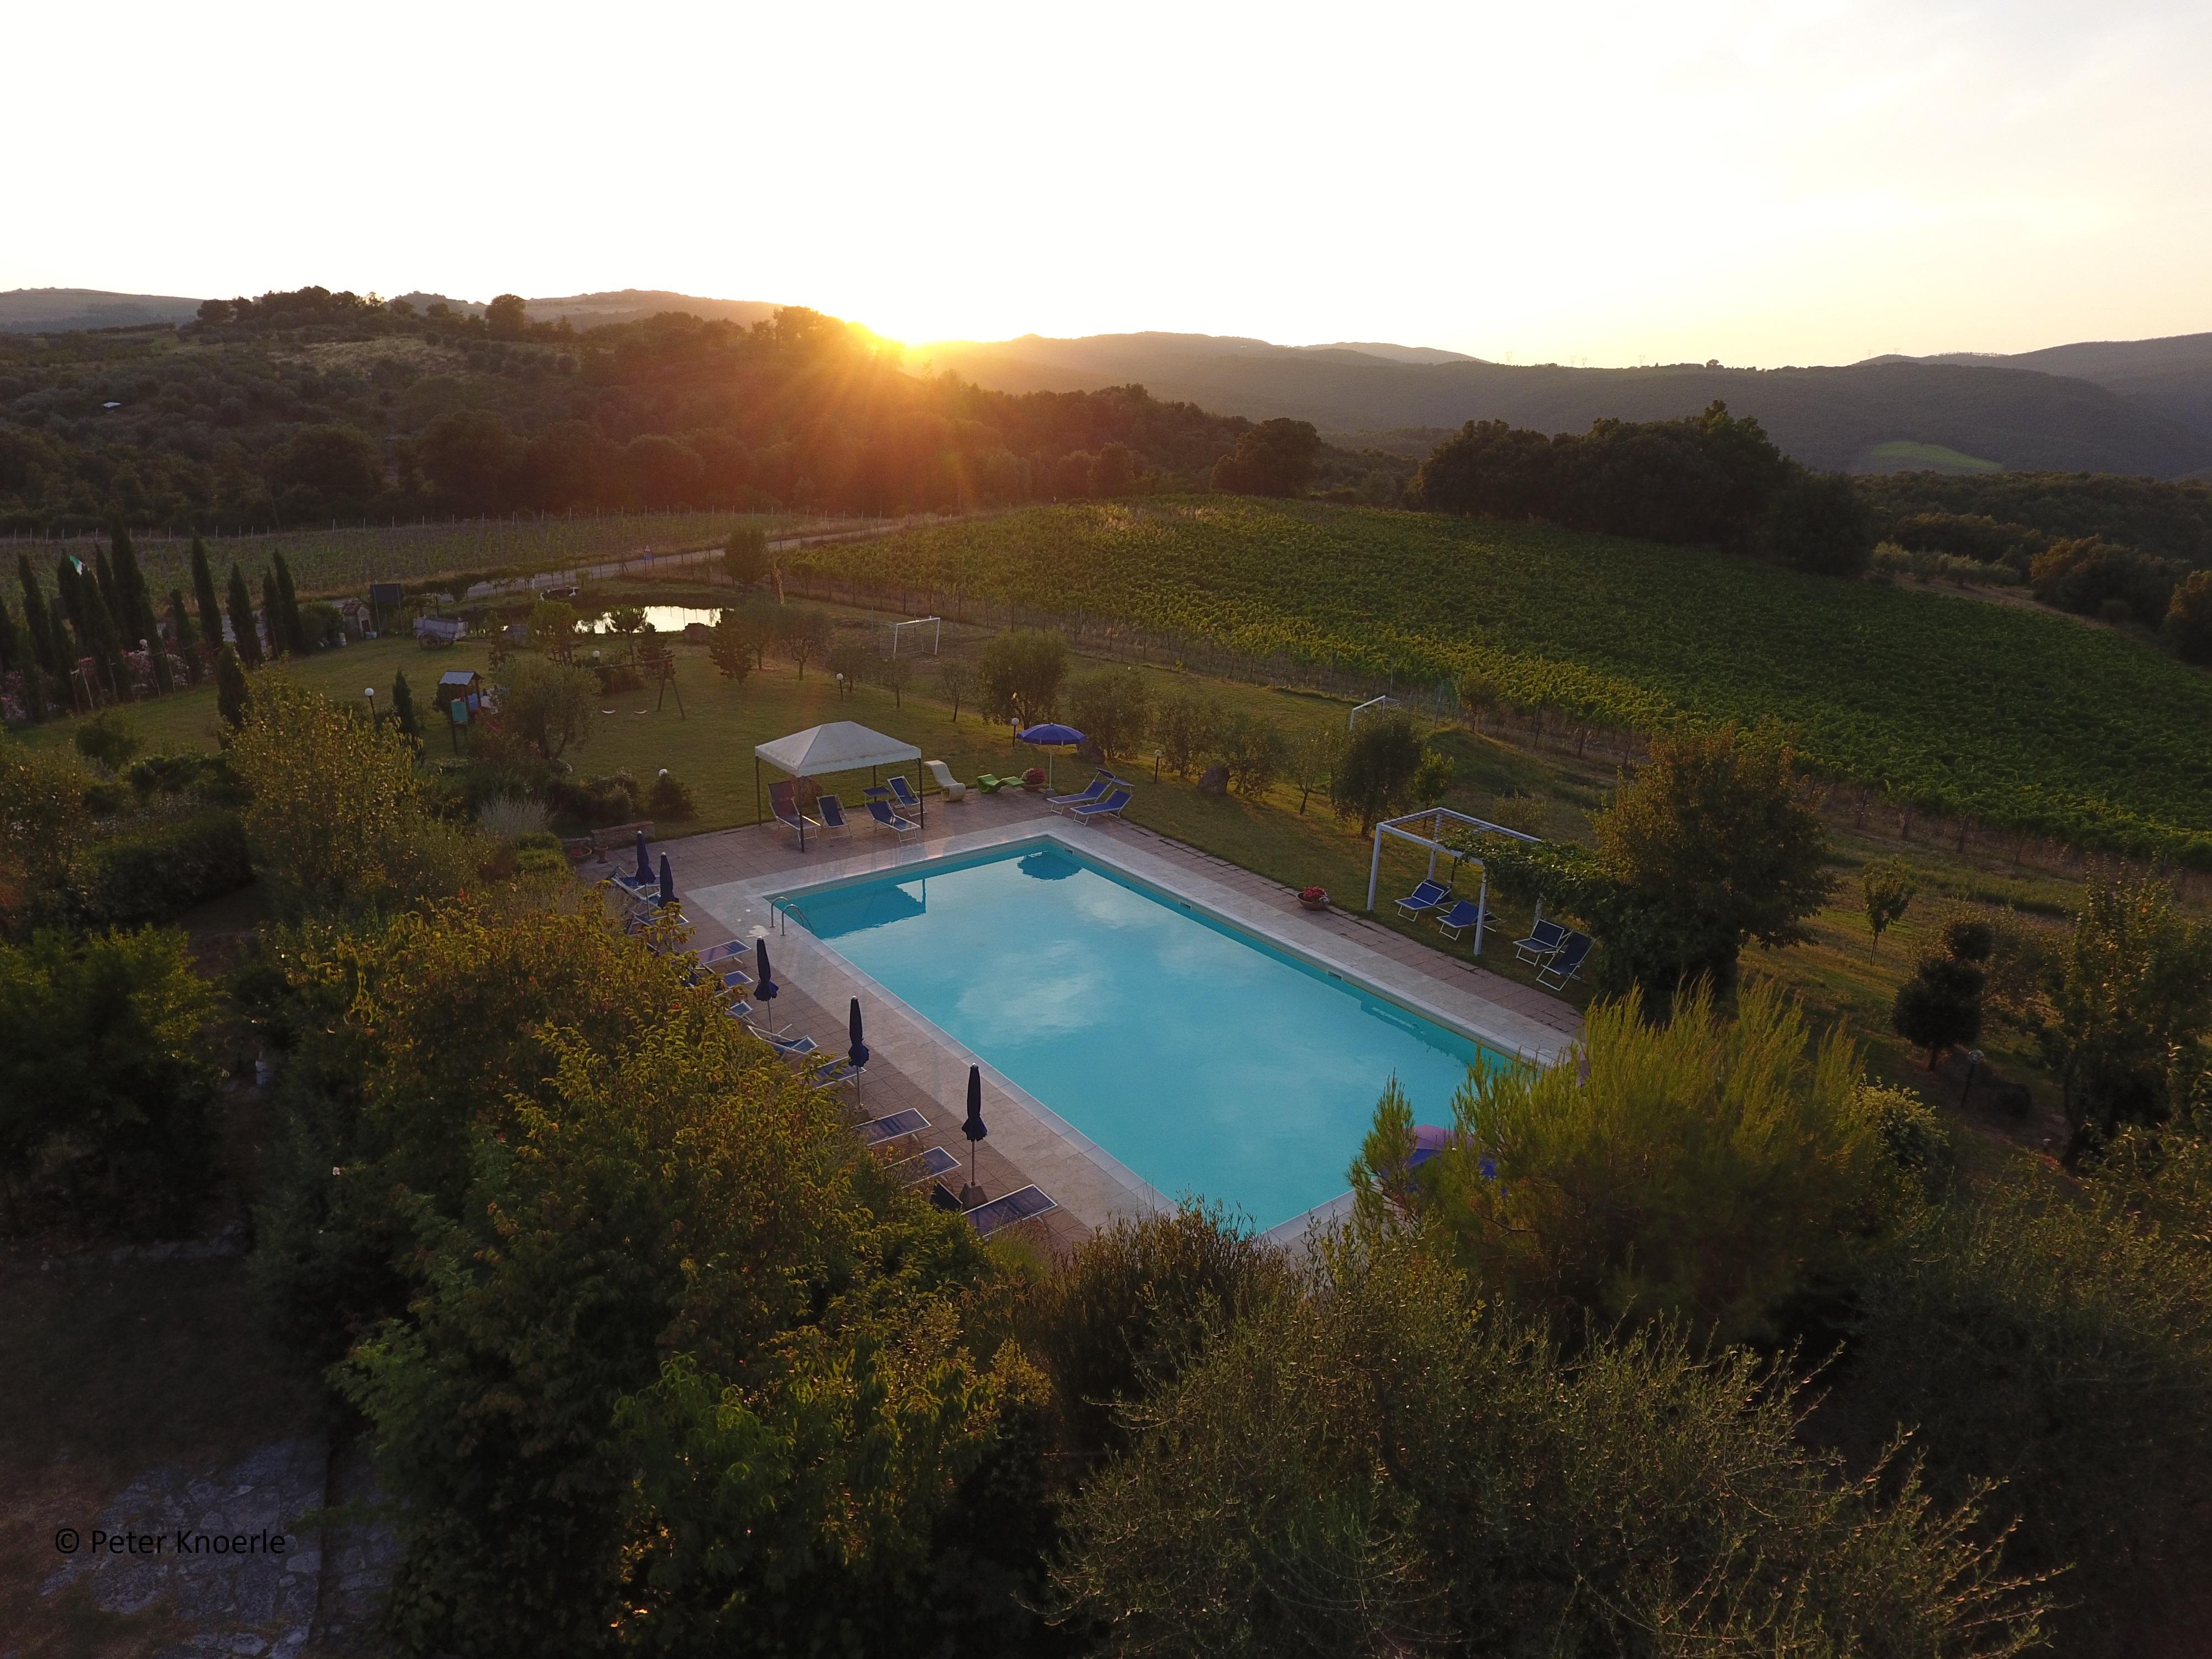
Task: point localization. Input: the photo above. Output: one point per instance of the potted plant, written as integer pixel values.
(1034, 778)
(1314, 898)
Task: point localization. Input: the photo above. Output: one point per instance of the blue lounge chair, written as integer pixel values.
(837, 1071)
(723, 952)
(903, 795)
(1461, 916)
(1095, 790)
(1108, 808)
(791, 1047)
(897, 1127)
(1021, 1205)
(931, 1163)
(880, 810)
(783, 803)
(829, 813)
(1542, 944)
(1565, 966)
(1428, 896)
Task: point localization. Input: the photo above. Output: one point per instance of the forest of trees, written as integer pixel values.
(309, 406)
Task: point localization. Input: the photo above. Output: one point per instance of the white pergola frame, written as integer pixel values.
(1433, 819)
(935, 624)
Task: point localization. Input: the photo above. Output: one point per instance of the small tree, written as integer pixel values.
(1376, 777)
(731, 646)
(243, 633)
(553, 629)
(205, 596)
(1185, 728)
(1255, 753)
(403, 708)
(187, 640)
(745, 555)
(107, 738)
(954, 680)
(547, 704)
(803, 633)
(231, 695)
(895, 674)
(287, 598)
(1940, 1007)
(1887, 885)
(1112, 707)
(2189, 618)
(849, 661)
(1313, 761)
(1021, 671)
(272, 615)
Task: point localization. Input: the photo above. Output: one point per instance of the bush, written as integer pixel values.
(1389, 1467)
(156, 873)
(1113, 709)
(548, 704)
(2189, 618)
(1376, 777)
(669, 799)
(1940, 1007)
(1817, 521)
(1019, 674)
(1253, 751)
(2064, 1350)
(1703, 1172)
(108, 739)
(510, 817)
(104, 1078)
(597, 802)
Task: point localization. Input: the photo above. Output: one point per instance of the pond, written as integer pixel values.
(669, 618)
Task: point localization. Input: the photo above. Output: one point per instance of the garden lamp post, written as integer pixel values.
(369, 691)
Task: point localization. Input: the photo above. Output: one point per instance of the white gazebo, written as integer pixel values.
(1427, 828)
(837, 746)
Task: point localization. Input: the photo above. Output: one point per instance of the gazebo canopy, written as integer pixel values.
(838, 746)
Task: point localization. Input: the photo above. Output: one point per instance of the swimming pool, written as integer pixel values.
(1202, 1058)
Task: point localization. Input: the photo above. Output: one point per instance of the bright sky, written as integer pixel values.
(1609, 183)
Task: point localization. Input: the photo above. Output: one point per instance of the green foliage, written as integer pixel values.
(1254, 750)
(955, 679)
(736, 644)
(232, 693)
(104, 1079)
(42, 820)
(1275, 458)
(2064, 1348)
(1887, 888)
(1384, 1469)
(1186, 727)
(1940, 1007)
(1702, 1172)
(157, 871)
(403, 708)
(337, 820)
(803, 633)
(849, 663)
(1020, 673)
(745, 555)
(548, 705)
(107, 738)
(1138, 1302)
(893, 674)
(1912, 693)
(553, 627)
(1113, 708)
(2132, 996)
(599, 1257)
(244, 636)
(2012, 516)
(2189, 618)
(669, 799)
(2091, 577)
(1375, 776)
(1816, 522)
(1312, 761)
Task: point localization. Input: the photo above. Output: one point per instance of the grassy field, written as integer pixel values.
(2013, 716)
(1902, 455)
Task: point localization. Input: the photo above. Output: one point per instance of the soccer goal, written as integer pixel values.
(934, 624)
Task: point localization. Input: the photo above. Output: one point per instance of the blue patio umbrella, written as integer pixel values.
(644, 865)
(667, 884)
(1050, 739)
(764, 989)
(857, 1054)
(973, 1129)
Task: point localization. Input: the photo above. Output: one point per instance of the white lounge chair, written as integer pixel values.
(948, 785)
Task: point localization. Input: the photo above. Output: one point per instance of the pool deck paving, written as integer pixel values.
(727, 880)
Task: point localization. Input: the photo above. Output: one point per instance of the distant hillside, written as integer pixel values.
(2171, 377)
(624, 305)
(1849, 418)
(59, 310)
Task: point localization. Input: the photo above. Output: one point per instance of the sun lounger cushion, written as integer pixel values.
(1461, 916)
(1108, 808)
(876, 1131)
(1427, 896)
(1020, 1205)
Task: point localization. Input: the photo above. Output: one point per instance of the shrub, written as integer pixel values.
(156, 873)
(108, 739)
(510, 817)
(2063, 1349)
(1818, 521)
(1389, 1467)
(1703, 1171)
(104, 1078)
(1019, 674)
(1253, 751)
(1375, 776)
(1887, 887)
(2189, 618)
(548, 704)
(1186, 727)
(1940, 1007)
(1113, 709)
(669, 799)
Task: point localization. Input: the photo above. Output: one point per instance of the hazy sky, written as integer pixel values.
(1609, 183)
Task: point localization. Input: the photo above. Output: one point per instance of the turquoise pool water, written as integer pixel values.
(1203, 1059)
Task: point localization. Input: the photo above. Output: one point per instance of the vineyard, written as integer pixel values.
(1951, 705)
(344, 561)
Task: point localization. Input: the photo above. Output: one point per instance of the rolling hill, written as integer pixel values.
(63, 310)
(2171, 377)
(1840, 418)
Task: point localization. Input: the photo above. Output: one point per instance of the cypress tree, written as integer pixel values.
(204, 592)
(230, 693)
(23, 651)
(296, 634)
(188, 644)
(403, 708)
(37, 624)
(241, 620)
(272, 612)
(133, 606)
(106, 633)
(69, 593)
(11, 644)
